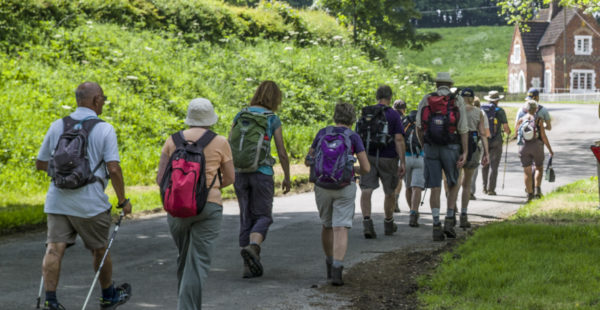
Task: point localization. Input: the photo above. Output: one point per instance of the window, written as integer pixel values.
(535, 82)
(548, 81)
(522, 85)
(516, 55)
(583, 81)
(583, 45)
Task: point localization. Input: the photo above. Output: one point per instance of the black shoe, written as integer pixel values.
(438, 234)
(53, 306)
(397, 209)
(329, 266)
(491, 193)
(464, 221)
(389, 227)
(122, 295)
(336, 276)
(530, 197)
(251, 256)
(449, 224)
(538, 193)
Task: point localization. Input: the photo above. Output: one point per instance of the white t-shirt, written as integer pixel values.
(89, 200)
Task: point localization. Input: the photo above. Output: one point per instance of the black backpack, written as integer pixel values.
(373, 129)
(411, 141)
(69, 166)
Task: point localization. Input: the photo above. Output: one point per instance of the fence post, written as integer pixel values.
(596, 149)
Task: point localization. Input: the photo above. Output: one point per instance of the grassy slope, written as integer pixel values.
(473, 55)
(544, 257)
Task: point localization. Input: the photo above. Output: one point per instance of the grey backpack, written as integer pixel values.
(69, 165)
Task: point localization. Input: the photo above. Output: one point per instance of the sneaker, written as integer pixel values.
(389, 227)
(329, 266)
(438, 234)
(449, 224)
(368, 229)
(414, 218)
(336, 276)
(251, 256)
(53, 306)
(491, 193)
(472, 197)
(538, 193)
(122, 295)
(464, 221)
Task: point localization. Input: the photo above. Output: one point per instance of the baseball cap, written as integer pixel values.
(467, 92)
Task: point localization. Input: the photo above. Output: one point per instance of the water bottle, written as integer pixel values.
(384, 134)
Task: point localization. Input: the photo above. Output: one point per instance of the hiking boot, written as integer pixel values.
(414, 218)
(53, 306)
(438, 234)
(251, 256)
(538, 192)
(464, 221)
(530, 197)
(247, 274)
(472, 197)
(449, 224)
(389, 227)
(397, 209)
(491, 193)
(368, 229)
(329, 266)
(122, 295)
(336, 276)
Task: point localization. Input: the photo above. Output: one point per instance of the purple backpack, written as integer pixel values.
(333, 160)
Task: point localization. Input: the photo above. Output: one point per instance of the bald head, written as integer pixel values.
(85, 93)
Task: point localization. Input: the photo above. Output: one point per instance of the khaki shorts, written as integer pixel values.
(415, 176)
(93, 231)
(386, 170)
(336, 206)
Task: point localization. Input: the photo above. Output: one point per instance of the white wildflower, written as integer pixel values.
(148, 48)
(288, 48)
(132, 77)
(336, 38)
(67, 107)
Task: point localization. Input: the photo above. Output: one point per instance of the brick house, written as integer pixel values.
(537, 57)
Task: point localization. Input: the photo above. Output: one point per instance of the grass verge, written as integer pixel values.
(543, 257)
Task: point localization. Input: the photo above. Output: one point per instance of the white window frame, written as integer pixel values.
(522, 84)
(536, 82)
(515, 58)
(589, 78)
(547, 81)
(580, 45)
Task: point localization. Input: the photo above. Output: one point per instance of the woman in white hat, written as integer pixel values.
(532, 138)
(194, 236)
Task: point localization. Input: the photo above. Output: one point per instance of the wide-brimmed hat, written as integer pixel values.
(201, 113)
(493, 95)
(443, 77)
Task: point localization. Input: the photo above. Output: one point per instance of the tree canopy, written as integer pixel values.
(519, 11)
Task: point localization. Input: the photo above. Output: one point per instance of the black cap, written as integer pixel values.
(467, 92)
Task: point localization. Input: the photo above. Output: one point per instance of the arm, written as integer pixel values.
(399, 141)
(283, 159)
(116, 178)
(310, 154)
(363, 161)
(164, 161)
(545, 138)
(228, 173)
(41, 165)
(506, 129)
(464, 141)
(484, 141)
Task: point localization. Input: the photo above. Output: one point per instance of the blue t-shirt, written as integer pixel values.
(89, 200)
(274, 123)
(394, 127)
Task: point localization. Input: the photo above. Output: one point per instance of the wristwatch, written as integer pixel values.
(123, 204)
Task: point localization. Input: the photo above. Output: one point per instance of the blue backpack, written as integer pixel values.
(332, 167)
(490, 111)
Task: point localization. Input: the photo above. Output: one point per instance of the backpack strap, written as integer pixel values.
(203, 141)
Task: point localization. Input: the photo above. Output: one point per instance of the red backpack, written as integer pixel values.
(183, 187)
(440, 119)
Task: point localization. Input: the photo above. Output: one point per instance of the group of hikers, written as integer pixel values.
(443, 141)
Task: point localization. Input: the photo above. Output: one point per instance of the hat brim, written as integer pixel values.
(208, 121)
(488, 98)
(444, 81)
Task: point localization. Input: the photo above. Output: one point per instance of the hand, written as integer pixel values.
(401, 170)
(127, 208)
(286, 185)
(551, 154)
(462, 159)
(485, 160)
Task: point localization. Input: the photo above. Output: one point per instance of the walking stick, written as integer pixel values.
(505, 160)
(40, 292)
(112, 238)
(424, 194)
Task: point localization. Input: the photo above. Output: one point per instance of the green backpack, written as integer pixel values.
(250, 142)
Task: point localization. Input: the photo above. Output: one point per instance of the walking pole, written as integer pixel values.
(112, 238)
(424, 194)
(505, 160)
(40, 292)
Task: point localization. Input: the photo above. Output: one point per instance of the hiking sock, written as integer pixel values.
(51, 297)
(252, 242)
(450, 213)
(391, 219)
(463, 211)
(108, 293)
(413, 211)
(337, 263)
(436, 215)
(366, 217)
(329, 259)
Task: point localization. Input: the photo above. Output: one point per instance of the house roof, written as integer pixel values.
(556, 27)
(531, 39)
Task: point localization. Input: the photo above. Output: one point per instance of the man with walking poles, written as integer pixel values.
(76, 203)
(498, 123)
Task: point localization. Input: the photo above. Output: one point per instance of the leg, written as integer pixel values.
(261, 206)
(474, 182)
(466, 188)
(340, 243)
(495, 158)
(105, 276)
(51, 265)
(397, 195)
(327, 240)
(180, 232)
(365, 201)
(242, 192)
(389, 202)
(415, 198)
(203, 231)
(528, 181)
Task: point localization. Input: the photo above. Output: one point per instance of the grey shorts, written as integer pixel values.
(336, 206)
(93, 231)
(386, 170)
(475, 158)
(438, 158)
(414, 176)
(532, 152)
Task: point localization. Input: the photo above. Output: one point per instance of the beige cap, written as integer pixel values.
(201, 113)
(493, 95)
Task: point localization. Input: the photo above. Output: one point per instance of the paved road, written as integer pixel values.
(145, 255)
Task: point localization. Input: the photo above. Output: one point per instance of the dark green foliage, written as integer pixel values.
(454, 13)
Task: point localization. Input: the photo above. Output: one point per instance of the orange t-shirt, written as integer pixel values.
(216, 154)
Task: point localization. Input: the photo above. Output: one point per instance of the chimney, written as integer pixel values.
(554, 9)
